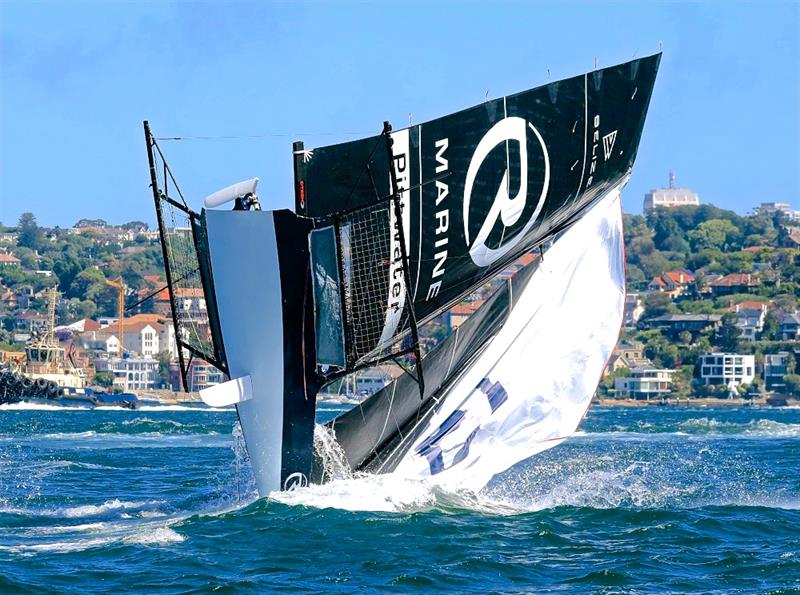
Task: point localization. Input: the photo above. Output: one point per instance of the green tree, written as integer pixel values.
(105, 379)
(770, 330)
(163, 368)
(84, 281)
(792, 384)
(682, 381)
(656, 304)
(716, 233)
(727, 335)
(30, 235)
(134, 225)
(27, 257)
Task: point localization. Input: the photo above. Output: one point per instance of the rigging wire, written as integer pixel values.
(256, 136)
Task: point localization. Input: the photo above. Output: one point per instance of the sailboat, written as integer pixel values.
(387, 233)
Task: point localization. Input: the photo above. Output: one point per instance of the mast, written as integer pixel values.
(149, 142)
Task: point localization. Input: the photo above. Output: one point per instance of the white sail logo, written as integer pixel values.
(507, 208)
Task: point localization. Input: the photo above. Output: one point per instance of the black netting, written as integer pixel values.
(365, 239)
(182, 235)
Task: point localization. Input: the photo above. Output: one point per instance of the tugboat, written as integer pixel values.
(46, 371)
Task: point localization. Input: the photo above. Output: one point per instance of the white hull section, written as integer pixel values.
(532, 385)
(251, 317)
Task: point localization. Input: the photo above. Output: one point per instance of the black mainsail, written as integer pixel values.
(389, 232)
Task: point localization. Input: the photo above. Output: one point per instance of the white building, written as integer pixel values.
(730, 369)
(645, 383)
(99, 341)
(634, 308)
(750, 318)
(142, 338)
(770, 208)
(670, 197)
(130, 373)
(149, 335)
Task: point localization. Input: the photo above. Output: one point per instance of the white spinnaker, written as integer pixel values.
(530, 388)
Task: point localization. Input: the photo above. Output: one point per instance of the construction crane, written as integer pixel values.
(120, 311)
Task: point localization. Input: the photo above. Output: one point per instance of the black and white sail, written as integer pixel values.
(477, 189)
(392, 230)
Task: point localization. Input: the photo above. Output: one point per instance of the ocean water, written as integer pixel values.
(639, 501)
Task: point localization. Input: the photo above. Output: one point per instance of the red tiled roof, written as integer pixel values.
(10, 258)
(679, 277)
(749, 305)
(736, 279)
(154, 279)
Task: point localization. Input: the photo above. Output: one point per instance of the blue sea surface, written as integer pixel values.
(641, 500)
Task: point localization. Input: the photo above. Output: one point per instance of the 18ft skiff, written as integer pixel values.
(387, 233)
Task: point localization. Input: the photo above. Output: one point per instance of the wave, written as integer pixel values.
(759, 427)
(23, 406)
(703, 426)
(103, 535)
(158, 536)
(86, 510)
(200, 408)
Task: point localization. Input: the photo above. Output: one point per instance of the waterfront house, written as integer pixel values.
(729, 369)
(130, 373)
(776, 366)
(629, 356)
(645, 383)
(201, 375)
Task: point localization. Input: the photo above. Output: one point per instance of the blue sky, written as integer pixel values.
(76, 81)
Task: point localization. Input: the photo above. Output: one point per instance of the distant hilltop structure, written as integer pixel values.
(670, 197)
(770, 208)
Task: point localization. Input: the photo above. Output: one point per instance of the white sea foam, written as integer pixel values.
(102, 534)
(58, 547)
(86, 510)
(158, 536)
(375, 493)
(23, 406)
(198, 408)
(108, 506)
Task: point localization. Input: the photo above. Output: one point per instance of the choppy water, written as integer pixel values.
(641, 500)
